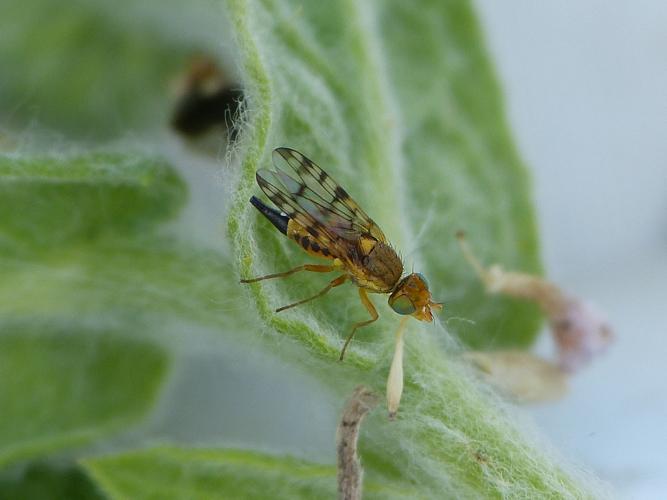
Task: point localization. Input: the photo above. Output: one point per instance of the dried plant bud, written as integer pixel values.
(579, 330)
(521, 375)
(206, 100)
(349, 466)
(395, 379)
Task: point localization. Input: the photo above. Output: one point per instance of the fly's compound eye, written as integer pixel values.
(402, 304)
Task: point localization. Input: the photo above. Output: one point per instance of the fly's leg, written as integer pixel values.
(315, 268)
(374, 316)
(333, 284)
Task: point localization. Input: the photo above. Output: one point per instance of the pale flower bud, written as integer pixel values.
(395, 379)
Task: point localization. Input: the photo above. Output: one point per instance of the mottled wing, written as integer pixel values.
(273, 186)
(322, 198)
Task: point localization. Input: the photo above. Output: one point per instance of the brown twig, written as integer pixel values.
(350, 472)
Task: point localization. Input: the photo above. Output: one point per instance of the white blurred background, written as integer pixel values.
(586, 95)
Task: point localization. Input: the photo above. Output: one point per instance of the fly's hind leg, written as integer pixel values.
(315, 268)
(363, 295)
(333, 284)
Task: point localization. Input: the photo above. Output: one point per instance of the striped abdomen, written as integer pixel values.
(298, 233)
(292, 229)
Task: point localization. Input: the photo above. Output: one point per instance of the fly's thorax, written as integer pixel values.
(412, 296)
(381, 266)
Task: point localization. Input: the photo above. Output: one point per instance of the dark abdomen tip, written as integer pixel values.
(275, 217)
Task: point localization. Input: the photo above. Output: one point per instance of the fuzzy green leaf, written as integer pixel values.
(112, 280)
(383, 97)
(198, 473)
(62, 385)
(47, 200)
(461, 170)
(174, 473)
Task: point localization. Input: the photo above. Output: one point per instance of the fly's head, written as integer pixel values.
(412, 296)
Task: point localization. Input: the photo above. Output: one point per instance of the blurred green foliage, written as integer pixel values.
(40, 481)
(78, 69)
(62, 385)
(67, 198)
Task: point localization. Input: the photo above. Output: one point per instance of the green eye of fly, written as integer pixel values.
(402, 304)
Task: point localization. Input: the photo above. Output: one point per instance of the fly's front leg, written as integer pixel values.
(363, 295)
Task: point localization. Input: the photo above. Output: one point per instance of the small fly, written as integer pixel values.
(319, 215)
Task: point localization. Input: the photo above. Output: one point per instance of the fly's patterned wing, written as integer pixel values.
(272, 185)
(322, 198)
